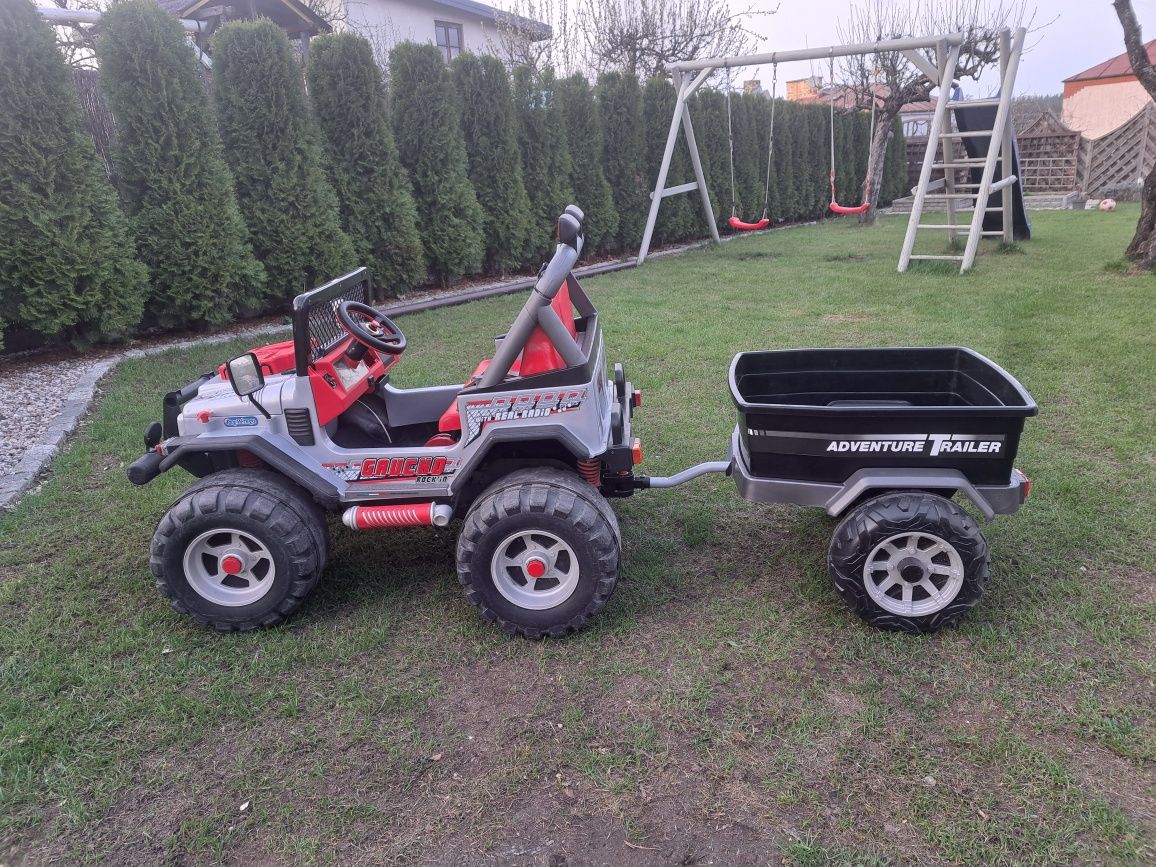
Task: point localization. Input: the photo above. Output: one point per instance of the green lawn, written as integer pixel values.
(726, 708)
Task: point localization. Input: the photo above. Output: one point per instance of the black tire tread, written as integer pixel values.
(899, 512)
(545, 491)
(236, 492)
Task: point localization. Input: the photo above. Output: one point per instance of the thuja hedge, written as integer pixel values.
(68, 271)
(450, 172)
(174, 185)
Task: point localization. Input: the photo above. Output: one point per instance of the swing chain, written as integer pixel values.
(770, 142)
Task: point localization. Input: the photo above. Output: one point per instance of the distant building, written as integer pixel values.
(800, 89)
(753, 86)
(915, 116)
(1104, 97)
(453, 26)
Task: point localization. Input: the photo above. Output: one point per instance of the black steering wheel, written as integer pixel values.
(370, 328)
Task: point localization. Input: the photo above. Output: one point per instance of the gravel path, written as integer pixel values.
(32, 394)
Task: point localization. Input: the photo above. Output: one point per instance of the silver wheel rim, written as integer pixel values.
(210, 557)
(534, 569)
(913, 574)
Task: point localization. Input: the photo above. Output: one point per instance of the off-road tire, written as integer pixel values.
(563, 505)
(881, 518)
(263, 505)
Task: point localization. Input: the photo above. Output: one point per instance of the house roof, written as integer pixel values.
(847, 98)
(1117, 66)
(536, 29)
(284, 12)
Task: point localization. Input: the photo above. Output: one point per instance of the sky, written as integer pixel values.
(1068, 37)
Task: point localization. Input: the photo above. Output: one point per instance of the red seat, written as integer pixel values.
(538, 356)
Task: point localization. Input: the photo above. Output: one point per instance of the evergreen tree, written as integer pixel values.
(348, 96)
(67, 268)
(545, 156)
(271, 144)
(588, 180)
(676, 221)
(174, 184)
(708, 108)
(750, 152)
(428, 130)
(620, 104)
(495, 164)
(895, 184)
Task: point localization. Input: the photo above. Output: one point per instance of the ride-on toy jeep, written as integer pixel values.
(529, 448)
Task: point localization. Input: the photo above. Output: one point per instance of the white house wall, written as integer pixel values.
(386, 22)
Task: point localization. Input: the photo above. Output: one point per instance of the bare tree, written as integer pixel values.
(892, 81)
(1142, 249)
(643, 36)
(535, 33)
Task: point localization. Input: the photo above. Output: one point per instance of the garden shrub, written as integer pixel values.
(67, 266)
(174, 184)
(545, 156)
(676, 219)
(428, 130)
(624, 153)
(587, 179)
(374, 197)
(271, 144)
(490, 129)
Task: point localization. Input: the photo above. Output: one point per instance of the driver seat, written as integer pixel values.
(538, 356)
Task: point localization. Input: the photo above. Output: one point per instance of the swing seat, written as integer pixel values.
(843, 209)
(739, 225)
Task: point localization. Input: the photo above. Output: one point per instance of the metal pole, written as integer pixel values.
(951, 39)
(947, 71)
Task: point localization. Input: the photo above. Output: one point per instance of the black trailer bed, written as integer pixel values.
(821, 415)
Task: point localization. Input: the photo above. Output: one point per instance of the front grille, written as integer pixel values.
(300, 425)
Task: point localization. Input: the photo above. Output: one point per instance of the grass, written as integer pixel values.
(725, 708)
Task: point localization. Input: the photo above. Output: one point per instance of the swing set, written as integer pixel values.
(735, 221)
(936, 56)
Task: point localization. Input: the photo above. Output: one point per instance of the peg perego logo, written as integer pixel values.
(928, 445)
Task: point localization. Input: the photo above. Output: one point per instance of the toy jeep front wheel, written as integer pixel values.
(909, 561)
(539, 553)
(240, 550)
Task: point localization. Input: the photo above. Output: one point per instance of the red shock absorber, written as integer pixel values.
(384, 517)
(591, 471)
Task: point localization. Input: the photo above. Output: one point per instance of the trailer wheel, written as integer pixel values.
(539, 553)
(909, 561)
(241, 549)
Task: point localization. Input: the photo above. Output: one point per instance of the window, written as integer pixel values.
(449, 39)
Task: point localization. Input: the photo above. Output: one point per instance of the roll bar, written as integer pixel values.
(537, 311)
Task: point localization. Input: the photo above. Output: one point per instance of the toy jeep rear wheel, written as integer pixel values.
(241, 549)
(909, 561)
(539, 553)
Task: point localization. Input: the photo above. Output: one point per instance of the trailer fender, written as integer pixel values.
(990, 500)
(281, 455)
(882, 480)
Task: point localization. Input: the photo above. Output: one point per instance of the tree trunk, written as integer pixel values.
(1142, 250)
(880, 138)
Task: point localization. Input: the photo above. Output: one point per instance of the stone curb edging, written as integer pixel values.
(32, 464)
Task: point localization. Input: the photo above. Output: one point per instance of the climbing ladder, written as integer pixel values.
(964, 198)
